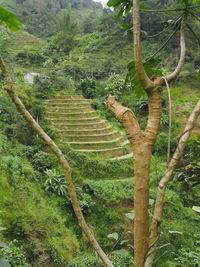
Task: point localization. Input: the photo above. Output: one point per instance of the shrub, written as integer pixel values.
(13, 254)
(14, 165)
(42, 161)
(88, 260)
(43, 88)
(188, 257)
(115, 86)
(3, 246)
(110, 190)
(88, 87)
(85, 200)
(3, 143)
(55, 183)
(189, 168)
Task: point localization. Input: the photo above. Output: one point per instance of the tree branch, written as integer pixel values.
(180, 64)
(63, 162)
(126, 117)
(164, 181)
(144, 79)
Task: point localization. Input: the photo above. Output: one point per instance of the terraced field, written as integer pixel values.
(80, 126)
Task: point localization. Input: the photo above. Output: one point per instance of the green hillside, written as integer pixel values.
(40, 16)
(82, 52)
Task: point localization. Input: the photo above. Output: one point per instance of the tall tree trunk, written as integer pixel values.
(141, 143)
(142, 159)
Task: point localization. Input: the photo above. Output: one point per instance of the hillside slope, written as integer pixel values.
(40, 16)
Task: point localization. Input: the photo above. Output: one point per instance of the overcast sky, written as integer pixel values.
(102, 1)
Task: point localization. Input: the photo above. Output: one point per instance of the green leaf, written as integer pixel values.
(112, 3)
(130, 215)
(196, 208)
(124, 242)
(4, 263)
(198, 75)
(9, 19)
(151, 201)
(2, 228)
(120, 252)
(120, 14)
(114, 236)
(126, 26)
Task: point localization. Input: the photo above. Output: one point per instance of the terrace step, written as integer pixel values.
(96, 145)
(67, 101)
(78, 125)
(81, 132)
(91, 138)
(64, 109)
(73, 121)
(72, 97)
(126, 156)
(69, 115)
(82, 126)
(68, 105)
(106, 153)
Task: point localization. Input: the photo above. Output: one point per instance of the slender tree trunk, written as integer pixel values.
(163, 184)
(61, 158)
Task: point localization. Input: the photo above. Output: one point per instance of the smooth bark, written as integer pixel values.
(142, 143)
(63, 162)
(181, 61)
(144, 79)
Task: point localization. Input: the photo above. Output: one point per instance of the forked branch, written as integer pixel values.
(63, 162)
(181, 61)
(126, 117)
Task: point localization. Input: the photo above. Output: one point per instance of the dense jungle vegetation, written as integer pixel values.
(84, 50)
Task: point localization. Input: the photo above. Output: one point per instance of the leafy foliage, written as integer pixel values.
(42, 161)
(150, 68)
(124, 5)
(41, 221)
(3, 261)
(9, 19)
(55, 183)
(188, 171)
(116, 86)
(88, 260)
(14, 254)
(88, 87)
(110, 191)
